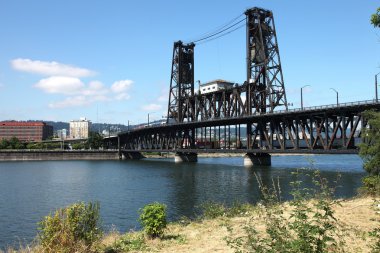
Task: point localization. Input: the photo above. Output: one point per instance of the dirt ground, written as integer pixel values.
(356, 216)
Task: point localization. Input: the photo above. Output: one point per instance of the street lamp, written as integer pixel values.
(148, 116)
(337, 96)
(302, 96)
(377, 97)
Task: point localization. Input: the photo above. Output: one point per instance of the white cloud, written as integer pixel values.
(122, 96)
(60, 84)
(70, 102)
(50, 68)
(121, 86)
(152, 107)
(83, 94)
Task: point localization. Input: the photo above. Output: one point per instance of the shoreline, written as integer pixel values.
(63, 155)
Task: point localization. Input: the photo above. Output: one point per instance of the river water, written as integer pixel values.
(31, 190)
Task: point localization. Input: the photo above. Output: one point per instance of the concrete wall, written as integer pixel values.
(41, 155)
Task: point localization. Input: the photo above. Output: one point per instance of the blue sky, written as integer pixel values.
(110, 61)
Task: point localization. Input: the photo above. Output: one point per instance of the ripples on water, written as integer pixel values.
(31, 190)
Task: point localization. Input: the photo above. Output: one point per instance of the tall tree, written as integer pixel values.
(370, 147)
(375, 18)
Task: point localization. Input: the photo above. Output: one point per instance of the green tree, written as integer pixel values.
(370, 146)
(4, 144)
(375, 18)
(95, 140)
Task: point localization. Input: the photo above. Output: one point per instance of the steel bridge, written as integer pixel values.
(251, 118)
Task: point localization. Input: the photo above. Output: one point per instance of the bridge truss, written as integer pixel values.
(252, 117)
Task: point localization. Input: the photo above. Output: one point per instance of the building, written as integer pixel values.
(79, 129)
(25, 131)
(215, 85)
(62, 134)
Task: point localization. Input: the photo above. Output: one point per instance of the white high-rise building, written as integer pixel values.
(79, 129)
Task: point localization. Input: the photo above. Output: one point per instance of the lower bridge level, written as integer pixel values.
(315, 130)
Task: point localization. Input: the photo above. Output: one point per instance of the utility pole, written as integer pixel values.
(337, 96)
(302, 96)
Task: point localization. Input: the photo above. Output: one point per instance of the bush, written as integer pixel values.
(153, 219)
(70, 229)
(211, 210)
(371, 185)
(127, 242)
(311, 226)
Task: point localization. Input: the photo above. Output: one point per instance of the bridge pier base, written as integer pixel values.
(262, 159)
(132, 156)
(185, 157)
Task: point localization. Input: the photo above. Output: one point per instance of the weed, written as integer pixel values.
(71, 229)
(311, 226)
(153, 219)
(127, 242)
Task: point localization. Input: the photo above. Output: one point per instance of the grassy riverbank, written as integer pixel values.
(355, 219)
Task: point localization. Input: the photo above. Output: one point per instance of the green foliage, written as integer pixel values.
(153, 219)
(370, 148)
(371, 185)
(311, 226)
(211, 210)
(128, 242)
(78, 146)
(375, 18)
(12, 143)
(70, 228)
(95, 140)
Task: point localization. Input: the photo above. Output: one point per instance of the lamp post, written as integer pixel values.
(302, 96)
(337, 96)
(377, 96)
(148, 116)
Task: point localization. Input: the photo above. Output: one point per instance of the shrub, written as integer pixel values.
(153, 219)
(211, 210)
(311, 226)
(371, 185)
(71, 228)
(127, 242)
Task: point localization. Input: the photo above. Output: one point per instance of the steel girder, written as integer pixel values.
(265, 84)
(312, 131)
(181, 83)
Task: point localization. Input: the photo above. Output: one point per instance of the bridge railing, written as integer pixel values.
(318, 107)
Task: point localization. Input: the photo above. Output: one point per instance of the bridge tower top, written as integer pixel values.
(180, 107)
(265, 84)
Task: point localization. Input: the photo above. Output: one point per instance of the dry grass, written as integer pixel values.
(356, 216)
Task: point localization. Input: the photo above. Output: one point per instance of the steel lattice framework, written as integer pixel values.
(265, 89)
(180, 106)
(252, 117)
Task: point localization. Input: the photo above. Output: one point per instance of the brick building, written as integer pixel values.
(25, 131)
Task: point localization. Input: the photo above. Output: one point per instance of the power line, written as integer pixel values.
(219, 32)
(217, 29)
(222, 35)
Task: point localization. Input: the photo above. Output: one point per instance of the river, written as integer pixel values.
(31, 190)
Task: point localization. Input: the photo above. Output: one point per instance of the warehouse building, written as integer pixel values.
(25, 131)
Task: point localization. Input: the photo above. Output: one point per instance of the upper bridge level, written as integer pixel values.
(319, 129)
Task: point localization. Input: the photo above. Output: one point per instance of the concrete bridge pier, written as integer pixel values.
(185, 157)
(131, 156)
(262, 159)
